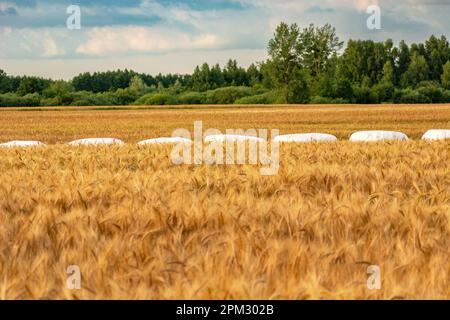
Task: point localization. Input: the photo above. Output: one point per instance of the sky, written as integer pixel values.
(173, 36)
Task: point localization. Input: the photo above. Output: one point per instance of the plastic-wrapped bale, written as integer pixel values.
(370, 136)
(96, 141)
(231, 138)
(172, 140)
(305, 137)
(22, 144)
(436, 135)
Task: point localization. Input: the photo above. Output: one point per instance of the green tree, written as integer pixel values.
(160, 87)
(417, 71)
(285, 64)
(32, 85)
(384, 90)
(388, 73)
(216, 77)
(343, 89)
(318, 44)
(437, 54)
(324, 84)
(82, 82)
(266, 74)
(445, 78)
(201, 79)
(364, 59)
(234, 75)
(195, 81)
(4, 82)
(254, 75)
(403, 59)
(177, 87)
(58, 88)
(138, 86)
(205, 74)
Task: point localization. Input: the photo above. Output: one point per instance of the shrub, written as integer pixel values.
(432, 90)
(410, 96)
(362, 94)
(270, 97)
(382, 92)
(14, 100)
(327, 100)
(158, 99)
(446, 96)
(58, 88)
(85, 98)
(344, 89)
(125, 96)
(192, 98)
(228, 95)
(51, 102)
(445, 78)
(81, 102)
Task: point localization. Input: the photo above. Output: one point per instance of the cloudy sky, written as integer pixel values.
(175, 35)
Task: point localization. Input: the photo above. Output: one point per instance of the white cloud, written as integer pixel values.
(35, 43)
(113, 40)
(6, 31)
(51, 48)
(362, 5)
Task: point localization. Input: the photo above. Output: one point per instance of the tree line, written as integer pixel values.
(307, 65)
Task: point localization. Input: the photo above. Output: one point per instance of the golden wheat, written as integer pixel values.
(142, 228)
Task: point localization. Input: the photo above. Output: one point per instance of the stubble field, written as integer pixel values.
(132, 124)
(140, 227)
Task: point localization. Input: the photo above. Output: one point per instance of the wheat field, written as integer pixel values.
(140, 227)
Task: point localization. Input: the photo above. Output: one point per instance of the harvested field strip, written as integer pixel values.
(136, 125)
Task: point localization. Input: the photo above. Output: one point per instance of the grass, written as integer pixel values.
(142, 228)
